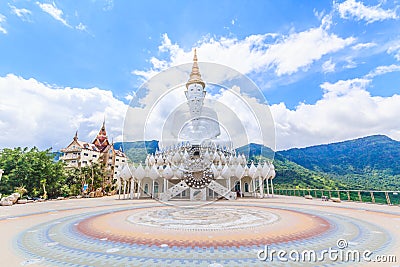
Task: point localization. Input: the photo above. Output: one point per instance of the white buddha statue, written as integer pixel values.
(196, 121)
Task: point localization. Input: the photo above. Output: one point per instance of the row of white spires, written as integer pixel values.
(169, 171)
(180, 156)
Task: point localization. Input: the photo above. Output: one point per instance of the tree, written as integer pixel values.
(33, 169)
(74, 182)
(93, 175)
(8, 162)
(21, 190)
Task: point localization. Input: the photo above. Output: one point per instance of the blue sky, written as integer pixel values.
(329, 70)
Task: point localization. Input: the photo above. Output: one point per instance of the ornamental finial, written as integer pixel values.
(195, 76)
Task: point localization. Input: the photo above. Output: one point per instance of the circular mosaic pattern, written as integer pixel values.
(155, 235)
(203, 219)
(203, 227)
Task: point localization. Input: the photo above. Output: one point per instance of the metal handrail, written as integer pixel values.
(364, 196)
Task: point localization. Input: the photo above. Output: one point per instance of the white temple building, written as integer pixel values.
(199, 166)
(80, 154)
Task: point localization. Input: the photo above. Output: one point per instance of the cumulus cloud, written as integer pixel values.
(57, 14)
(343, 87)
(22, 13)
(363, 46)
(382, 70)
(346, 111)
(81, 27)
(2, 20)
(299, 50)
(351, 9)
(284, 54)
(53, 11)
(395, 49)
(328, 66)
(34, 113)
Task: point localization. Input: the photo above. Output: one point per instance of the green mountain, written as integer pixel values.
(290, 174)
(357, 156)
(137, 151)
(369, 163)
(253, 151)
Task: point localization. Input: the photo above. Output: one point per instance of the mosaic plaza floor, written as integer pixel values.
(110, 232)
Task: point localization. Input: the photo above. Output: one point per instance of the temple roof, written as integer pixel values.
(77, 145)
(101, 140)
(100, 144)
(195, 76)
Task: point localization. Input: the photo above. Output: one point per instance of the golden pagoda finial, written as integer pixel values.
(195, 76)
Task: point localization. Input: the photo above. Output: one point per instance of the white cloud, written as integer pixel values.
(343, 87)
(318, 14)
(395, 49)
(358, 11)
(382, 70)
(33, 113)
(299, 50)
(328, 66)
(350, 64)
(53, 11)
(81, 27)
(57, 14)
(363, 46)
(129, 97)
(285, 54)
(2, 20)
(346, 111)
(22, 13)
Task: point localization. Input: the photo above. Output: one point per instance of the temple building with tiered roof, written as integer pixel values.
(80, 153)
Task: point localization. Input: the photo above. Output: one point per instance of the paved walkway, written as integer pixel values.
(110, 232)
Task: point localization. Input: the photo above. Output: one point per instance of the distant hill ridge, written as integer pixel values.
(138, 150)
(358, 156)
